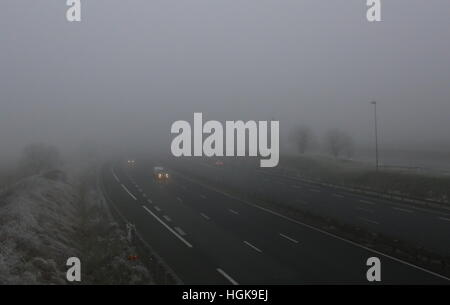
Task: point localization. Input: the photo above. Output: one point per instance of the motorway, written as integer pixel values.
(208, 236)
(422, 227)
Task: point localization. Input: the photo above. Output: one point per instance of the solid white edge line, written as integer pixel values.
(114, 174)
(129, 193)
(168, 228)
(225, 275)
(252, 246)
(289, 238)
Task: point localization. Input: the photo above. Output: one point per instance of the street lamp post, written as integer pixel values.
(376, 133)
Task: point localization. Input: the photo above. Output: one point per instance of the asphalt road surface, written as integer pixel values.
(422, 227)
(208, 236)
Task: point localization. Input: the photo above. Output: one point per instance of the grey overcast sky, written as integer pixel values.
(130, 68)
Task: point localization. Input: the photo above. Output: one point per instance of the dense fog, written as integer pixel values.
(129, 69)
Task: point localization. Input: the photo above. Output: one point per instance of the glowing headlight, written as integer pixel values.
(167, 175)
(159, 175)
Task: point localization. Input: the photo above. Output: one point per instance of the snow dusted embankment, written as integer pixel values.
(45, 219)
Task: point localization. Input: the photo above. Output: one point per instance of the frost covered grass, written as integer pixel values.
(47, 218)
(6, 176)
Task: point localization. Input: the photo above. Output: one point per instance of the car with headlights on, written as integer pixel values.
(160, 174)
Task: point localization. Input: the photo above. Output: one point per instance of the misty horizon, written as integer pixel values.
(123, 75)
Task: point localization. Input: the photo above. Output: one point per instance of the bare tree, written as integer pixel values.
(338, 142)
(303, 138)
(39, 157)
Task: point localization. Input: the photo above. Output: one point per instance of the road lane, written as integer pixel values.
(318, 256)
(418, 227)
(220, 238)
(190, 265)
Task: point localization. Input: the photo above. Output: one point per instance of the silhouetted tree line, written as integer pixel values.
(335, 141)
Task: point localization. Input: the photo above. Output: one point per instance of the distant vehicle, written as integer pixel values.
(131, 163)
(160, 174)
(219, 163)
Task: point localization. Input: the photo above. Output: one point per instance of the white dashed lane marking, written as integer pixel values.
(252, 246)
(403, 210)
(364, 209)
(180, 231)
(289, 238)
(367, 202)
(225, 275)
(444, 219)
(233, 211)
(369, 221)
(205, 216)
